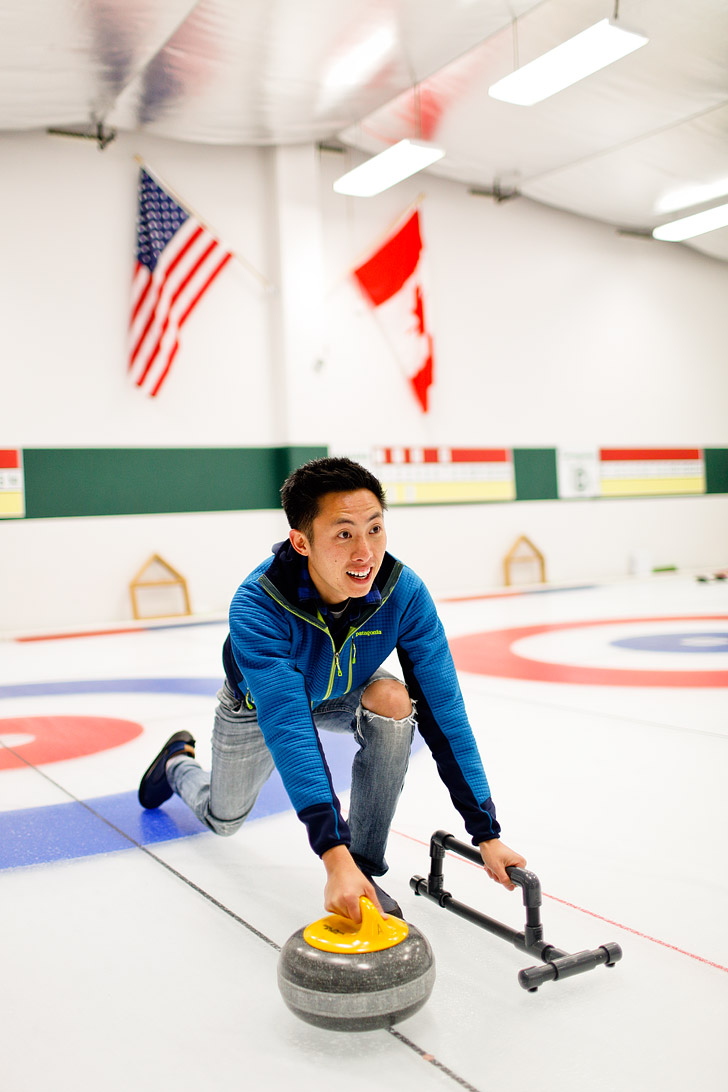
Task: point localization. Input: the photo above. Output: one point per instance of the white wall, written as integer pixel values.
(65, 277)
(549, 330)
(459, 549)
(76, 572)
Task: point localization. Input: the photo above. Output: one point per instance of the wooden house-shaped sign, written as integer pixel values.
(523, 550)
(161, 586)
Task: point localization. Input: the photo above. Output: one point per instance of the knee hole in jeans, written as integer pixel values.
(387, 698)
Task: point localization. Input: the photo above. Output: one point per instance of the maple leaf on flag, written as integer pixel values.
(392, 282)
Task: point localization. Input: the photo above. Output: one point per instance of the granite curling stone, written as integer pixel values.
(349, 976)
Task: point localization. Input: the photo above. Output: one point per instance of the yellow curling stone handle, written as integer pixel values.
(373, 934)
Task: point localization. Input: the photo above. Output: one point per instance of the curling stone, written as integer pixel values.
(347, 976)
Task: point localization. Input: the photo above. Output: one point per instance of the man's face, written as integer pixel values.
(346, 546)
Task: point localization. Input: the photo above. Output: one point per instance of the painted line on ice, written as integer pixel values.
(582, 910)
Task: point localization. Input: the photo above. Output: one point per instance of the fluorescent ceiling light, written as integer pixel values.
(568, 63)
(386, 169)
(698, 194)
(690, 226)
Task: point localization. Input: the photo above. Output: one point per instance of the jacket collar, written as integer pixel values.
(289, 573)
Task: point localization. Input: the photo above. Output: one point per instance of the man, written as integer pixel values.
(309, 631)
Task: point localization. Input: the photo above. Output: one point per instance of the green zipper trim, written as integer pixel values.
(275, 594)
(386, 592)
(335, 663)
(319, 623)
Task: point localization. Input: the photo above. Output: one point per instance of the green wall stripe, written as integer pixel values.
(134, 481)
(535, 471)
(716, 470)
(63, 482)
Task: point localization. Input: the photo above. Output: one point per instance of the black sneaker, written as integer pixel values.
(387, 903)
(154, 787)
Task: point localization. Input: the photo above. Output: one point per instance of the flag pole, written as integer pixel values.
(267, 285)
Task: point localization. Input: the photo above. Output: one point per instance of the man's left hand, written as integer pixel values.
(497, 857)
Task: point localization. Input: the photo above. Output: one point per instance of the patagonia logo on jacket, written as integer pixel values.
(369, 633)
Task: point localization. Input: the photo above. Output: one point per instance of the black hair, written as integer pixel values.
(301, 490)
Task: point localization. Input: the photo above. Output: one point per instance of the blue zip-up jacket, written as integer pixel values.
(280, 656)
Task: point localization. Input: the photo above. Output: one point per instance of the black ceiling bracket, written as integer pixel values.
(103, 137)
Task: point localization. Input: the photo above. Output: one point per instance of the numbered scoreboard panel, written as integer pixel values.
(12, 483)
(442, 475)
(630, 472)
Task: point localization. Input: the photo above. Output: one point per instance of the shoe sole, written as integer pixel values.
(154, 788)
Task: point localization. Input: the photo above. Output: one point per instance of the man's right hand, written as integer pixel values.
(345, 885)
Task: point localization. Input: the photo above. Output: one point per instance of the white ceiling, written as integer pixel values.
(619, 147)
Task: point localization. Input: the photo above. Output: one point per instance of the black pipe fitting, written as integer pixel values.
(557, 964)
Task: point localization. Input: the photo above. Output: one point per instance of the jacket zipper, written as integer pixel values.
(335, 663)
(319, 623)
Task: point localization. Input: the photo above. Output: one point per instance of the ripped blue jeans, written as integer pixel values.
(241, 764)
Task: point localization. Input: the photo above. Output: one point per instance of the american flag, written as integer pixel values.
(177, 261)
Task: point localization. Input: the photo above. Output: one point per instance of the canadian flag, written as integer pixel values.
(392, 281)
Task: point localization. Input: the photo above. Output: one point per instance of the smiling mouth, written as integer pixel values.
(359, 575)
